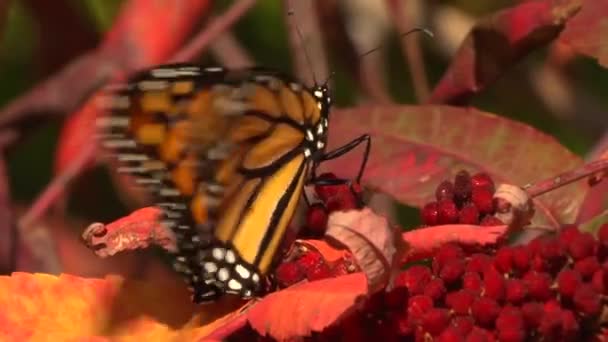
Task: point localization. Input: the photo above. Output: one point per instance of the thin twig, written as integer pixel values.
(411, 48)
(217, 27)
(585, 171)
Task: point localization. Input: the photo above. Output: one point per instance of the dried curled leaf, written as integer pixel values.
(138, 230)
(301, 309)
(513, 206)
(374, 244)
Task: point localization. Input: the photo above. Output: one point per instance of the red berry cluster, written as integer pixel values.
(308, 265)
(467, 200)
(552, 289)
(332, 198)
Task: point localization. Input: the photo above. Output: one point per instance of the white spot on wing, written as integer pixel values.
(255, 278)
(163, 73)
(210, 267)
(307, 153)
(218, 253)
(309, 135)
(242, 271)
(230, 257)
(223, 274)
(234, 284)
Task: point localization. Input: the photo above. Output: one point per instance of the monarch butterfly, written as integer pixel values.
(226, 153)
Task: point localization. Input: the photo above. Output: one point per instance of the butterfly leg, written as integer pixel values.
(340, 151)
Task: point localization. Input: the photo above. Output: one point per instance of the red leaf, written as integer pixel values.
(587, 31)
(301, 309)
(414, 148)
(425, 241)
(499, 41)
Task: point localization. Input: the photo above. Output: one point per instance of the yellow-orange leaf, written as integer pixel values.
(301, 309)
(41, 307)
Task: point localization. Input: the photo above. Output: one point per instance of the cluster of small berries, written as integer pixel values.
(332, 198)
(552, 289)
(467, 200)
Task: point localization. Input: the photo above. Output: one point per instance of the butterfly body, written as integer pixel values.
(225, 154)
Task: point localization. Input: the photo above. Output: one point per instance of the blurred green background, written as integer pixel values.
(23, 65)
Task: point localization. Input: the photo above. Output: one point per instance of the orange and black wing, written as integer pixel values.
(226, 154)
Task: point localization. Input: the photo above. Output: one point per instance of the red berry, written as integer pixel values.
(472, 281)
(321, 271)
(316, 219)
(503, 260)
(447, 252)
(515, 291)
(510, 318)
(586, 267)
(450, 334)
(452, 270)
(464, 324)
(478, 262)
(479, 335)
(582, 246)
(599, 281)
(468, 214)
(435, 321)
(289, 273)
(602, 234)
(417, 306)
(567, 234)
(414, 279)
(550, 325)
(445, 191)
(567, 282)
(494, 284)
(462, 187)
(538, 284)
(553, 255)
(521, 259)
(448, 212)
(532, 313)
(485, 310)
(482, 180)
(326, 191)
(460, 301)
(570, 325)
(482, 198)
(489, 221)
(587, 300)
(435, 289)
(343, 200)
(430, 214)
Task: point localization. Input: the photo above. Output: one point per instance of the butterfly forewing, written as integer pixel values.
(225, 154)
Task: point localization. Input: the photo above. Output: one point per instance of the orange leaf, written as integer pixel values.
(44, 307)
(301, 309)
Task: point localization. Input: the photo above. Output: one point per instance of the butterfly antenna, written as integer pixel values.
(308, 60)
(416, 29)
